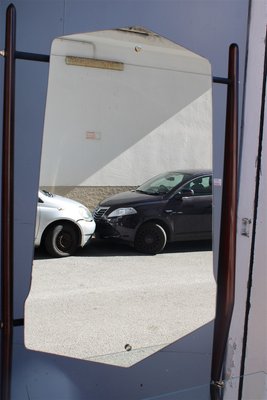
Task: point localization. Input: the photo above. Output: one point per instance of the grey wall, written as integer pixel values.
(206, 27)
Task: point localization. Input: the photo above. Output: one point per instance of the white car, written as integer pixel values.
(62, 224)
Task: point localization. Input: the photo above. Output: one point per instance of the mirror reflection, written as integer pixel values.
(123, 260)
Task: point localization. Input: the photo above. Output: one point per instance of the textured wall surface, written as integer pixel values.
(90, 196)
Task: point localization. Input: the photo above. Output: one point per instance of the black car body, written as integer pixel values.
(173, 206)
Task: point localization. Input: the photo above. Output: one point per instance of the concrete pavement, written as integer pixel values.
(110, 304)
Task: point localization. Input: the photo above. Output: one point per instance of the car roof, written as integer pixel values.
(193, 172)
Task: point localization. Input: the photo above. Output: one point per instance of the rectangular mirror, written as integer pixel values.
(123, 266)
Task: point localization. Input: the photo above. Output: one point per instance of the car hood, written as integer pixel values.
(58, 201)
(128, 198)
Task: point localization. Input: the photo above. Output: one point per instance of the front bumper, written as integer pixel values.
(87, 228)
(121, 228)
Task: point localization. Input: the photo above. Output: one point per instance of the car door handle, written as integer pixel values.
(173, 212)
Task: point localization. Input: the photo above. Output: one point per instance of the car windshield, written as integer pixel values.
(163, 183)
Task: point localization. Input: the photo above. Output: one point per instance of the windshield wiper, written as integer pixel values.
(150, 193)
(141, 191)
(49, 194)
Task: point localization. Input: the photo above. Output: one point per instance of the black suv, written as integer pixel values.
(173, 206)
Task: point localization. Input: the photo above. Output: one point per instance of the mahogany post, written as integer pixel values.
(8, 205)
(227, 247)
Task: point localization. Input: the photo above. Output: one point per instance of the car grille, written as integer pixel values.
(99, 212)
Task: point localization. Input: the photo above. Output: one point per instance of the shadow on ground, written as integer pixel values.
(104, 248)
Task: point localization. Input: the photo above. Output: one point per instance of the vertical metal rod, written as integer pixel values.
(8, 205)
(227, 249)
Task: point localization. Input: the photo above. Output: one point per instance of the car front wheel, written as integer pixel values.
(150, 238)
(62, 240)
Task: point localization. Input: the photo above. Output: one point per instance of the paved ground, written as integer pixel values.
(111, 304)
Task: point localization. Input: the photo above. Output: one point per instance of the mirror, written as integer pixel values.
(128, 126)
(184, 193)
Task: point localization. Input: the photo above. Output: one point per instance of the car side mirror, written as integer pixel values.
(184, 193)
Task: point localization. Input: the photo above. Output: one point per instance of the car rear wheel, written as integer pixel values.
(151, 238)
(62, 240)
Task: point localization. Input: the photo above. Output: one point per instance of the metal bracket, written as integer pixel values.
(16, 322)
(245, 227)
(218, 384)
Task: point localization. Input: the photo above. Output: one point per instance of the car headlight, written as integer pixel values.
(120, 212)
(85, 213)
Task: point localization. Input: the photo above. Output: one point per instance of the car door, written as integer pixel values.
(191, 210)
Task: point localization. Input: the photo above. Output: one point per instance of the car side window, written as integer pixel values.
(201, 186)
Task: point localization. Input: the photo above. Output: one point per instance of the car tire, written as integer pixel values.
(150, 238)
(62, 240)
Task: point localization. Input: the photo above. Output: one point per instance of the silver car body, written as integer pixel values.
(52, 208)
